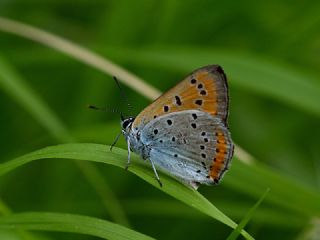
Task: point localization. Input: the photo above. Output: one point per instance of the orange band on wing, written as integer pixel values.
(219, 159)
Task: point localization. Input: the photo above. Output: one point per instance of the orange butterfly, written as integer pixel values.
(185, 131)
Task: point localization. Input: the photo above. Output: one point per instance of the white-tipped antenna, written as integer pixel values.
(123, 96)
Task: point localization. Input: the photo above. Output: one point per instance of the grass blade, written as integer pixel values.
(236, 232)
(79, 53)
(118, 157)
(239, 178)
(5, 211)
(62, 222)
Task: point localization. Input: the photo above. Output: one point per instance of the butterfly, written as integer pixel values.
(185, 131)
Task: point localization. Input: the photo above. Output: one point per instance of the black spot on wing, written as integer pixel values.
(198, 102)
(178, 100)
(203, 92)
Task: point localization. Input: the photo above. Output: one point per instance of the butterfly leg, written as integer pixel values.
(129, 153)
(155, 172)
(115, 141)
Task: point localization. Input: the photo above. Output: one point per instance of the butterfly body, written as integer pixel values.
(184, 132)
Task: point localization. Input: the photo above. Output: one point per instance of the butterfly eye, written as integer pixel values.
(126, 122)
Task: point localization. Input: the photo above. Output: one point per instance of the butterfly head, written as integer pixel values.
(126, 124)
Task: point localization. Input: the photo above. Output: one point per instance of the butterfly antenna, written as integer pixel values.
(112, 110)
(123, 96)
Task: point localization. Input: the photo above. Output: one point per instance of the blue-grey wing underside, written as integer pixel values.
(185, 144)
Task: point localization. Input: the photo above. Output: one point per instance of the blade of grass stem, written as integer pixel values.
(118, 157)
(236, 232)
(72, 223)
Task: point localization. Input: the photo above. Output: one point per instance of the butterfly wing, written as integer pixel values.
(192, 145)
(204, 89)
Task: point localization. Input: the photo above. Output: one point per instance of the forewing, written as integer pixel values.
(205, 89)
(192, 145)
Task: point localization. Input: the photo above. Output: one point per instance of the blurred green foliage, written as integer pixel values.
(270, 52)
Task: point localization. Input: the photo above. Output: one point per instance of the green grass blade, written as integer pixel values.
(62, 222)
(6, 211)
(240, 178)
(78, 52)
(118, 157)
(236, 232)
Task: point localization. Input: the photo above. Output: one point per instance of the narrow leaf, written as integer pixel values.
(62, 222)
(118, 157)
(236, 232)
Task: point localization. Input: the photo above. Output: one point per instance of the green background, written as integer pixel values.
(270, 53)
